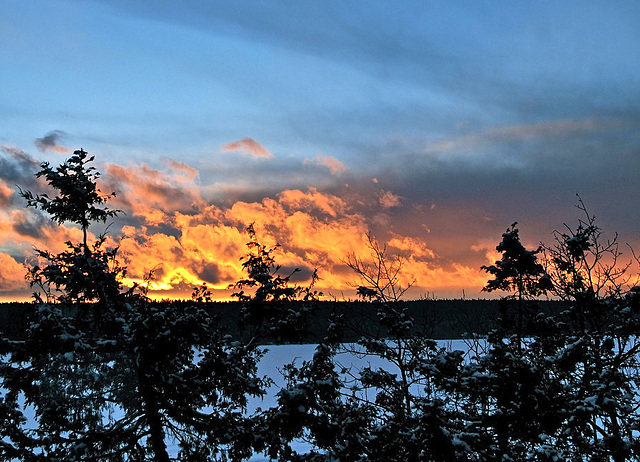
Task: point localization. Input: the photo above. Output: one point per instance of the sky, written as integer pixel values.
(432, 125)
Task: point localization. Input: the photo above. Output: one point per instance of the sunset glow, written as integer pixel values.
(185, 241)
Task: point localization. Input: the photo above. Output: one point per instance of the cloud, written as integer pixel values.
(411, 247)
(504, 134)
(388, 199)
(180, 170)
(488, 248)
(247, 146)
(333, 164)
(51, 142)
(313, 201)
(169, 226)
(151, 193)
(12, 273)
(6, 194)
(316, 229)
(17, 166)
(30, 223)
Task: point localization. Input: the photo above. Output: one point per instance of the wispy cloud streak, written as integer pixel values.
(247, 146)
(504, 134)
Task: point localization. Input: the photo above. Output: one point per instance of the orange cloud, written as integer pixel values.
(12, 273)
(247, 146)
(313, 201)
(22, 230)
(152, 193)
(411, 246)
(6, 194)
(145, 252)
(333, 164)
(488, 247)
(206, 245)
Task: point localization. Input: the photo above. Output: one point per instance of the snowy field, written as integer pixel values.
(279, 355)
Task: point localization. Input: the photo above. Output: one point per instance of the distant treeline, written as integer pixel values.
(436, 319)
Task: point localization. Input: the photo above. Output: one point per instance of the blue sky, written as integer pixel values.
(460, 117)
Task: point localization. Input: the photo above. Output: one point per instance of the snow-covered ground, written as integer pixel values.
(279, 355)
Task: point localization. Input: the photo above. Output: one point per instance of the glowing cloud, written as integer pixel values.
(410, 246)
(247, 146)
(316, 230)
(151, 193)
(11, 273)
(170, 229)
(333, 164)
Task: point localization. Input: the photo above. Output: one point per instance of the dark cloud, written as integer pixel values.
(210, 273)
(18, 167)
(51, 142)
(30, 223)
(302, 276)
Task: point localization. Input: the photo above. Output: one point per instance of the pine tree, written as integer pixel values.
(273, 309)
(597, 356)
(520, 272)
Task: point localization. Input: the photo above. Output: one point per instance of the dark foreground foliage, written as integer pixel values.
(546, 386)
(435, 319)
(105, 374)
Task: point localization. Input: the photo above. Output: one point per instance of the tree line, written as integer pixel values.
(102, 373)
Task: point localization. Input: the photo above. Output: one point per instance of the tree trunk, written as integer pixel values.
(154, 419)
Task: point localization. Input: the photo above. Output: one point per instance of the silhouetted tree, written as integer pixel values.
(79, 200)
(273, 308)
(596, 352)
(82, 273)
(518, 271)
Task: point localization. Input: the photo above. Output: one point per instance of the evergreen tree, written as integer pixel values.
(597, 357)
(519, 272)
(273, 309)
(568, 390)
